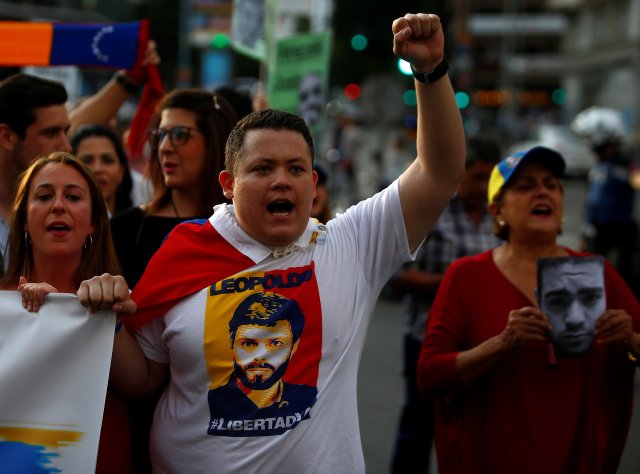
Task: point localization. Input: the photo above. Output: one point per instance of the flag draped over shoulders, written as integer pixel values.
(193, 256)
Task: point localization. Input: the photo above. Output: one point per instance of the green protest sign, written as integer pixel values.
(299, 76)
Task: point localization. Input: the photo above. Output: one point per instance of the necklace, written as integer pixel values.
(175, 209)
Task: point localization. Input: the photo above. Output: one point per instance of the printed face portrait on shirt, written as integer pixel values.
(571, 294)
(263, 338)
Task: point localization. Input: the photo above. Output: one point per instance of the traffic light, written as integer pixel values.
(409, 97)
(559, 96)
(359, 42)
(220, 41)
(352, 91)
(462, 99)
(404, 67)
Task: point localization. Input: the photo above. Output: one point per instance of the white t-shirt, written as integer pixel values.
(334, 274)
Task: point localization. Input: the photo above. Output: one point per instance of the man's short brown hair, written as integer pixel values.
(263, 119)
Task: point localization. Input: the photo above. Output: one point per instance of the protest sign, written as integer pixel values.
(247, 28)
(54, 369)
(571, 293)
(299, 77)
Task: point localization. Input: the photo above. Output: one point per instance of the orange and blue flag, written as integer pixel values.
(110, 45)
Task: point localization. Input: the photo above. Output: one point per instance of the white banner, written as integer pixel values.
(54, 369)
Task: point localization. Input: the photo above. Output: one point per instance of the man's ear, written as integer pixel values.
(315, 183)
(225, 178)
(8, 138)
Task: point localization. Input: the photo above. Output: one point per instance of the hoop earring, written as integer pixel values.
(88, 246)
(27, 239)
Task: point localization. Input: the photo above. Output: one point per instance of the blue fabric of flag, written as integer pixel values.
(108, 45)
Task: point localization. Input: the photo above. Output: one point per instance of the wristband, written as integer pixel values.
(126, 82)
(440, 70)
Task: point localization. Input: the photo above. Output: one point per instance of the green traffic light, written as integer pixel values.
(559, 96)
(404, 67)
(462, 99)
(359, 42)
(220, 41)
(409, 97)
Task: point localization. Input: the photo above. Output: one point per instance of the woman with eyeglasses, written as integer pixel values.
(187, 155)
(191, 129)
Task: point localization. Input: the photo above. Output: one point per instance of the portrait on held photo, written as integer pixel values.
(571, 293)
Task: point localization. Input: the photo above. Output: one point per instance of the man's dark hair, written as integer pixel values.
(267, 309)
(21, 93)
(572, 261)
(263, 119)
(239, 100)
(482, 148)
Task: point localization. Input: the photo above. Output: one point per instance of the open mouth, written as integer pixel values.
(280, 208)
(541, 210)
(58, 227)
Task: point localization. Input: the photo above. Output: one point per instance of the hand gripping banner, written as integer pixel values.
(54, 368)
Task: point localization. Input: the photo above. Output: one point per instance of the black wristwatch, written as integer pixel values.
(126, 82)
(440, 70)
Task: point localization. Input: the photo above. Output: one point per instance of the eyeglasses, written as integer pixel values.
(178, 136)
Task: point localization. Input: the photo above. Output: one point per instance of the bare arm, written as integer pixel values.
(100, 108)
(132, 374)
(429, 183)
(104, 104)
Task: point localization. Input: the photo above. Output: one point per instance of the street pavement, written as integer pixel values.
(380, 383)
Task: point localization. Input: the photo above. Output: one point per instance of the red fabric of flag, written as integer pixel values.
(193, 256)
(151, 95)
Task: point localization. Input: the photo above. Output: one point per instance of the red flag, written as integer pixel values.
(193, 256)
(151, 95)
